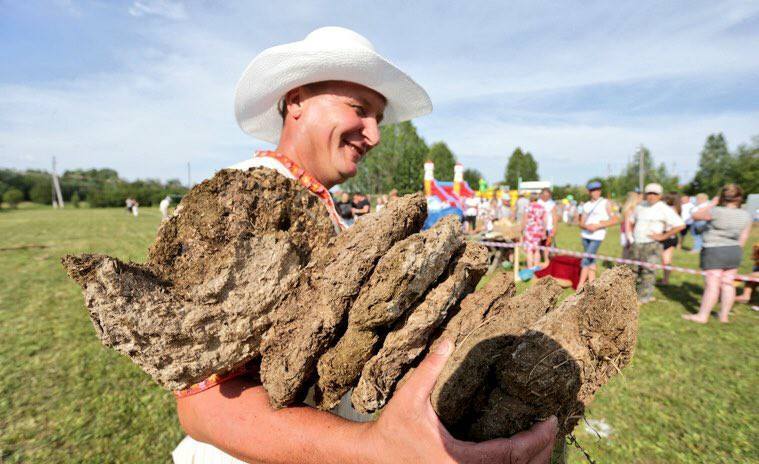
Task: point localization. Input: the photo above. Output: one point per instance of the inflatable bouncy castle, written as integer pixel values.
(444, 198)
(450, 193)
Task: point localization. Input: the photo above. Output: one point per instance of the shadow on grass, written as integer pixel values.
(687, 294)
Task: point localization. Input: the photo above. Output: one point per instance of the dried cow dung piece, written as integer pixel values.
(478, 306)
(460, 384)
(410, 335)
(400, 278)
(202, 302)
(559, 362)
(312, 312)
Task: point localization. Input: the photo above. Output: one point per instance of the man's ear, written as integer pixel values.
(293, 102)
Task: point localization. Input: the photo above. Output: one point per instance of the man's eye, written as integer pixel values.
(359, 109)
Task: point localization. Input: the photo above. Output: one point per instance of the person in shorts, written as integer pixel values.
(596, 216)
(727, 229)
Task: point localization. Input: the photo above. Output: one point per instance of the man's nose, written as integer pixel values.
(371, 132)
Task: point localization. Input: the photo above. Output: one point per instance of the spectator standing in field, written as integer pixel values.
(595, 217)
(381, 202)
(686, 208)
(534, 230)
(696, 227)
(669, 244)
(361, 205)
(470, 214)
(135, 208)
(129, 203)
(164, 207)
(725, 234)
(654, 222)
(749, 288)
(546, 201)
(522, 203)
(626, 235)
(344, 208)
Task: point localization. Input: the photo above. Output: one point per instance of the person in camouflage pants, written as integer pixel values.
(648, 253)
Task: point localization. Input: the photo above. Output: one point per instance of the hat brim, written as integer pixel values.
(282, 68)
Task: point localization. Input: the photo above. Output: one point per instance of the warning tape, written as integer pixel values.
(580, 254)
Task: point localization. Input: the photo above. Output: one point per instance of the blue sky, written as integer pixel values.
(145, 86)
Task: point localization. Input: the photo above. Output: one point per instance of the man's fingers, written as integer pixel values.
(531, 443)
(544, 457)
(422, 380)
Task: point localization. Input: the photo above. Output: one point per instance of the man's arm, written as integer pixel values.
(237, 418)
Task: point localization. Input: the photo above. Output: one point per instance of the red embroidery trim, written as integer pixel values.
(308, 181)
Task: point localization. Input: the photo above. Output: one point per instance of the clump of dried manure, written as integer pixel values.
(250, 267)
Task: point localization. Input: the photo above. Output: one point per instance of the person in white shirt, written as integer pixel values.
(595, 217)
(702, 201)
(686, 209)
(324, 128)
(552, 222)
(521, 205)
(164, 207)
(654, 222)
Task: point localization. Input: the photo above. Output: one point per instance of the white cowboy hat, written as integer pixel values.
(326, 54)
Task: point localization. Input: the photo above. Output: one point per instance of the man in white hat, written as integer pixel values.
(654, 221)
(321, 100)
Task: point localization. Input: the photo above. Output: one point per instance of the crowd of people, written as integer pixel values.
(653, 224)
(352, 207)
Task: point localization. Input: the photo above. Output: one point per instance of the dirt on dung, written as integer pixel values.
(217, 269)
(533, 361)
(400, 278)
(406, 341)
(250, 266)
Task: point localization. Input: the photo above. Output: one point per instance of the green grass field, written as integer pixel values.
(690, 394)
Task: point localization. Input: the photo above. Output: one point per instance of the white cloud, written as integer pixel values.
(165, 8)
(169, 99)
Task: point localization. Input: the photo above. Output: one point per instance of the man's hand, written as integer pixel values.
(591, 227)
(409, 430)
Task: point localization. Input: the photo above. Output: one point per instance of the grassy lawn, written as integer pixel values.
(689, 395)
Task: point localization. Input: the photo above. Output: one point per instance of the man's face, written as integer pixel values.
(652, 198)
(341, 121)
(545, 195)
(595, 194)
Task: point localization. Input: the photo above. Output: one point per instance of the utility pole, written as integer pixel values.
(56, 189)
(189, 182)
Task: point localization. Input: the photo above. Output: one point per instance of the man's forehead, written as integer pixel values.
(350, 89)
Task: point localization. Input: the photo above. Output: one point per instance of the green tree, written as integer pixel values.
(627, 181)
(444, 160)
(520, 165)
(13, 197)
(74, 200)
(715, 166)
(747, 166)
(41, 192)
(472, 177)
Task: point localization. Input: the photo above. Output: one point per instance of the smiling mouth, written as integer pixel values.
(357, 150)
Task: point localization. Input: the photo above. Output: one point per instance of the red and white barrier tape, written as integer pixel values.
(581, 254)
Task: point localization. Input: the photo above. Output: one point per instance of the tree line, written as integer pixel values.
(397, 163)
(98, 187)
